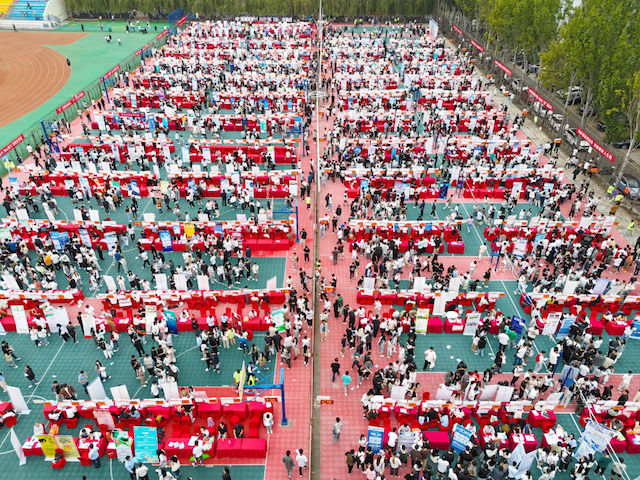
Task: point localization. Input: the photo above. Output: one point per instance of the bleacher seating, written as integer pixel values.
(28, 10)
(4, 6)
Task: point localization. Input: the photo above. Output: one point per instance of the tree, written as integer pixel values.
(586, 41)
(630, 108)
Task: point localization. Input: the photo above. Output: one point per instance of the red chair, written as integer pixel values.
(61, 462)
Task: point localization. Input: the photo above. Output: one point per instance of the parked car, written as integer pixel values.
(573, 96)
(516, 85)
(573, 139)
(601, 126)
(590, 109)
(631, 183)
(556, 122)
(541, 111)
(624, 144)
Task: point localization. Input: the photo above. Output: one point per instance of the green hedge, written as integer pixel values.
(294, 8)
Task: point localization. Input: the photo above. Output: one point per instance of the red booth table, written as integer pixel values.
(253, 448)
(615, 328)
(406, 415)
(156, 410)
(484, 439)
(618, 446)
(455, 247)
(31, 447)
(545, 420)
(237, 410)
(439, 440)
(230, 448)
(529, 440)
(84, 446)
(178, 446)
(206, 409)
(633, 443)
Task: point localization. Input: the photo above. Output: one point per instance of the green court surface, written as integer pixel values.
(96, 58)
(63, 362)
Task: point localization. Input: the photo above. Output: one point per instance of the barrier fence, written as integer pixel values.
(93, 91)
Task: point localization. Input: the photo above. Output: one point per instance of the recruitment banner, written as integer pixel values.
(11, 145)
(375, 438)
(145, 441)
(48, 445)
(461, 438)
(70, 102)
(68, 446)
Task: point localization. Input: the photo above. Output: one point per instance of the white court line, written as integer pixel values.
(45, 372)
(475, 229)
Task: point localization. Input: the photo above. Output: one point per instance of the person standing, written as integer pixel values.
(142, 472)
(337, 429)
(346, 381)
(94, 455)
(226, 474)
(130, 467)
(31, 376)
(9, 354)
(83, 379)
(429, 359)
(335, 369)
(301, 460)
(288, 463)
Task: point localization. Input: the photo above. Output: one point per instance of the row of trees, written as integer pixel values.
(593, 44)
(293, 8)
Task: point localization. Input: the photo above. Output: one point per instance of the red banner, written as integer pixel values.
(477, 45)
(596, 146)
(181, 21)
(457, 30)
(10, 146)
(70, 102)
(537, 96)
(162, 34)
(112, 71)
(502, 67)
(138, 52)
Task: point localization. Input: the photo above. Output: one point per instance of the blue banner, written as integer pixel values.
(172, 321)
(59, 239)
(517, 324)
(635, 333)
(461, 438)
(567, 321)
(444, 190)
(376, 438)
(145, 442)
(133, 186)
(165, 239)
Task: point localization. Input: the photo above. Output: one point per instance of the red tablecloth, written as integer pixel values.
(177, 446)
(238, 410)
(206, 409)
(254, 447)
(618, 446)
(544, 420)
(31, 447)
(529, 440)
(633, 443)
(229, 448)
(439, 440)
(504, 443)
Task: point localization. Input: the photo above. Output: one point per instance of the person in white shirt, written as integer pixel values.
(197, 454)
(302, 461)
(393, 439)
(626, 381)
